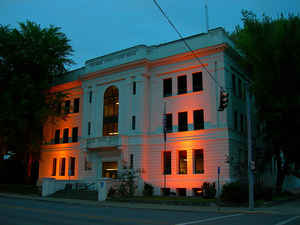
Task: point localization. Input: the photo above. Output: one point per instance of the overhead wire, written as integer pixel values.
(186, 44)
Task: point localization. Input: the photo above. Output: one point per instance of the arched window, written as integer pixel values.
(111, 111)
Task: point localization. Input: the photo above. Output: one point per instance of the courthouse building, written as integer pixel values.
(114, 114)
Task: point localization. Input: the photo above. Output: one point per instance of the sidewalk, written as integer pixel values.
(287, 208)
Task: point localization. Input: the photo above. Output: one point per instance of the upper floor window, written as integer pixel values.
(54, 167)
(89, 128)
(182, 167)
(169, 122)
(197, 81)
(181, 85)
(57, 137)
(235, 120)
(134, 88)
(66, 135)
(76, 105)
(133, 123)
(182, 121)
(111, 111)
(198, 119)
(131, 161)
(62, 167)
(167, 87)
(75, 134)
(72, 166)
(67, 106)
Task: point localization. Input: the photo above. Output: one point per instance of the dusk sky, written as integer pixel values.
(97, 27)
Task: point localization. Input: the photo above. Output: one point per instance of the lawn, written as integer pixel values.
(22, 189)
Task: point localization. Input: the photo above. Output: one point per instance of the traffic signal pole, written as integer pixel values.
(250, 171)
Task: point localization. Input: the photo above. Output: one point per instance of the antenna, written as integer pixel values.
(206, 18)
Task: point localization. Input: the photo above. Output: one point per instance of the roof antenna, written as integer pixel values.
(206, 18)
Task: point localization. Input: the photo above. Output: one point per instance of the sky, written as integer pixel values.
(98, 27)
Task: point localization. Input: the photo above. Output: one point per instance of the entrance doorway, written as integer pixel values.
(110, 169)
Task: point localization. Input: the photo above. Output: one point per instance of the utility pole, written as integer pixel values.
(250, 161)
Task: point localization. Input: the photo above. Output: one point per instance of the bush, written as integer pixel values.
(209, 190)
(235, 192)
(148, 190)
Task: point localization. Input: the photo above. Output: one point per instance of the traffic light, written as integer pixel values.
(224, 97)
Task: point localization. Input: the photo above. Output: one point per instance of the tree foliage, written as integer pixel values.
(31, 59)
(270, 51)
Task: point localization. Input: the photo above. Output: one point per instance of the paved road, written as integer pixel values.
(32, 212)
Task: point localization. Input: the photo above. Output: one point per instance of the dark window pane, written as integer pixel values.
(66, 135)
(182, 121)
(197, 81)
(75, 134)
(182, 162)
(90, 96)
(57, 137)
(181, 85)
(198, 119)
(167, 87)
(54, 167)
(169, 122)
(72, 167)
(133, 123)
(67, 106)
(134, 88)
(167, 163)
(235, 120)
(198, 161)
(63, 167)
(242, 122)
(131, 161)
(89, 128)
(76, 105)
(111, 111)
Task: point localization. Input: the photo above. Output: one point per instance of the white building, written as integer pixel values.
(115, 110)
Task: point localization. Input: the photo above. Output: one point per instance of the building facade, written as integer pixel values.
(114, 116)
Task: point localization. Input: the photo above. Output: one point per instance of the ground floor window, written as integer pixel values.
(181, 191)
(62, 167)
(198, 161)
(182, 166)
(54, 167)
(197, 191)
(72, 166)
(167, 163)
(109, 169)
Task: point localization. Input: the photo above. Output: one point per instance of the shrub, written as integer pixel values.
(235, 192)
(209, 190)
(148, 190)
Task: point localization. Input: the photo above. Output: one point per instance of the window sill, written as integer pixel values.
(184, 94)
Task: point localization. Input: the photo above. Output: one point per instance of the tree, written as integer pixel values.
(270, 50)
(31, 60)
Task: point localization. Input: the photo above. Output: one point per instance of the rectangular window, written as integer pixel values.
(131, 161)
(242, 122)
(76, 105)
(233, 85)
(182, 166)
(62, 167)
(87, 164)
(133, 123)
(54, 167)
(198, 119)
(89, 128)
(134, 88)
(75, 134)
(72, 166)
(167, 87)
(198, 161)
(66, 135)
(240, 88)
(169, 122)
(67, 106)
(90, 96)
(57, 137)
(182, 121)
(197, 81)
(235, 120)
(167, 163)
(181, 85)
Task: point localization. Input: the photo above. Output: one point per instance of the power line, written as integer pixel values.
(186, 44)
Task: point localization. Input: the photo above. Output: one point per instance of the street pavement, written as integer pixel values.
(25, 210)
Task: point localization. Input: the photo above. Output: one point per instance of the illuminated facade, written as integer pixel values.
(119, 117)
